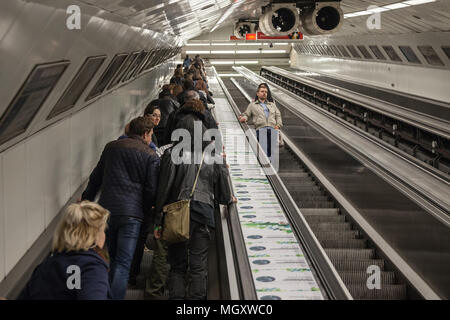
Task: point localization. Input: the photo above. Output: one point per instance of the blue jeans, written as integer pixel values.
(121, 238)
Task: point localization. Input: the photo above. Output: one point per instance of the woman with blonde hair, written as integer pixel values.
(76, 268)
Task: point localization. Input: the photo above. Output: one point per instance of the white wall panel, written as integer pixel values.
(36, 157)
(81, 146)
(57, 169)
(14, 182)
(2, 223)
(9, 10)
(17, 43)
(425, 82)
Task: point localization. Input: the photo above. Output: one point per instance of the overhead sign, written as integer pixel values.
(250, 36)
(261, 36)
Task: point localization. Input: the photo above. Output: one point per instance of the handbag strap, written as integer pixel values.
(196, 177)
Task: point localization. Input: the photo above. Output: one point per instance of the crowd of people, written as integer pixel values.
(98, 248)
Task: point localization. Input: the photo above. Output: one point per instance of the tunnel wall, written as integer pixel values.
(42, 168)
(422, 80)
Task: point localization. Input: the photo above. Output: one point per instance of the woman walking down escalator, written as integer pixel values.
(77, 268)
(179, 182)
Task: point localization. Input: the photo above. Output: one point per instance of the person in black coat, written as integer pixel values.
(176, 182)
(76, 269)
(207, 118)
(127, 174)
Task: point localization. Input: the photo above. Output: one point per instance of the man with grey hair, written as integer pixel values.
(189, 95)
(192, 95)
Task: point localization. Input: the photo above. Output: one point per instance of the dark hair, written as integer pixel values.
(269, 94)
(150, 109)
(140, 125)
(188, 84)
(177, 89)
(195, 105)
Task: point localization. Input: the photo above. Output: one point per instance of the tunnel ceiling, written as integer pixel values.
(190, 18)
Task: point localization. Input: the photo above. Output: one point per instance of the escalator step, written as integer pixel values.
(386, 292)
(308, 191)
(303, 188)
(315, 204)
(134, 294)
(318, 211)
(311, 198)
(323, 235)
(353, 254)
(316, 218)
(360, 277)
(357, 265)
(289, 173)
(300, 176)
(306, 181)
(325, 226)
(344, 243)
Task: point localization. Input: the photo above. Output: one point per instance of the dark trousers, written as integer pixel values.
(156, 281)
(121, 238)
(193, 254)
(268, 140)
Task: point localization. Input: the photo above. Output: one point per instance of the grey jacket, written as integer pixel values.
(255, 112)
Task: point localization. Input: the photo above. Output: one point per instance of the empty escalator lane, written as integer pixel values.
(343, 242)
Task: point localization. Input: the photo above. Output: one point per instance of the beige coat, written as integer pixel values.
(255, 113)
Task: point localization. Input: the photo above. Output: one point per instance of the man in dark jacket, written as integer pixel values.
(127, 175)
(176, 182)
(208, 120)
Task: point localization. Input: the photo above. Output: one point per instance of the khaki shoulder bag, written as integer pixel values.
(177, 216)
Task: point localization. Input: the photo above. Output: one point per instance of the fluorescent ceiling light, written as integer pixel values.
(197, 44)
(417, 2)
(377, 9)
(396, 6)
(223, 44)
(222, 62)
(222, 52)
(249, 44)
(273, 51)
(246, 62)
(197, 52)
(388, 7)
(230, 75)
(280, 43)
(247, 52)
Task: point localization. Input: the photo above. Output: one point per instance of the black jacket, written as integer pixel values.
(175, 117)
(49, 279)
(177, 180)
(127, 174)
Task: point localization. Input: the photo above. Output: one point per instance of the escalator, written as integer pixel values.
(346, 246)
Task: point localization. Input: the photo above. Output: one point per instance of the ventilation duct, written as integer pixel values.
(242, 28)
(325, 18)
(279, 20)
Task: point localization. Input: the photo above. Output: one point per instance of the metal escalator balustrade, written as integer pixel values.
(342, 240)
(430, 147)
